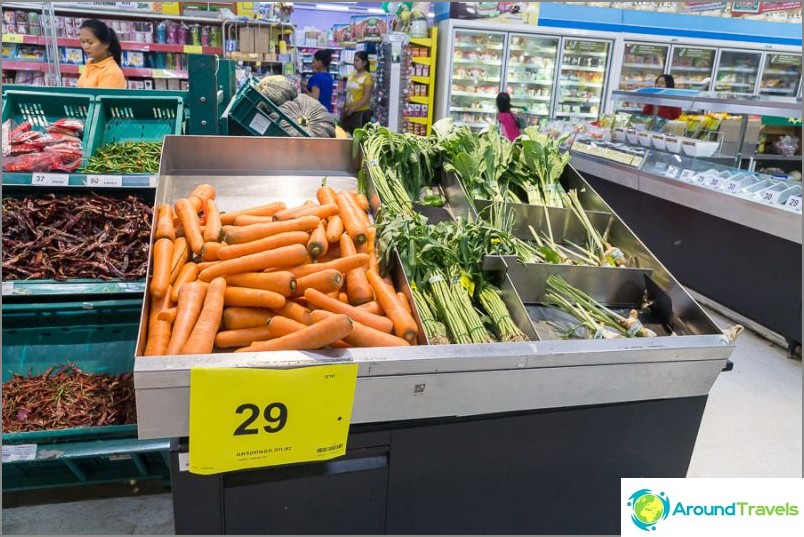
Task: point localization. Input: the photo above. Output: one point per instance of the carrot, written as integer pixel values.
(263, 210)
(200, 195)
(344, 265)
(325, 281)
(164, 223)
(235, 318)
(181, 255)
(325, 195)
(351, 219)
(322, 301)
(202, 339)
(404, 325)
(371, 307)
(158, 331)
(259, 231)
(232, 251)
(281, 282)
(371, 234)
(362, 335)
(188, 216)
(188, 273)
(206, 264)
(280, 326)
(334, 228)
(318, 243)
(242, 337)
(212, 227)
(168, 315)
(191, 300)
(252, 298)
(294, 311)
(343, 297)
(404, 301)
(357, 286)
(362, 202)
(247, 220)
(209, 252)
(160, 279)
(321, 211)
(286, 256)
(311, 337)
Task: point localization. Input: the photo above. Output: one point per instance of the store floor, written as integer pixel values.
(751, 428)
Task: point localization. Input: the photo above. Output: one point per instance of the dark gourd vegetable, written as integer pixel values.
(278, 89)
(309, 114)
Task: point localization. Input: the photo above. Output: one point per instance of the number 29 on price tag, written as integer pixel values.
(252, 418)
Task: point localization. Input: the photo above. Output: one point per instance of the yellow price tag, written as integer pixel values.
(13, 38)
(252, 418)
(170, 8)
(193, 49)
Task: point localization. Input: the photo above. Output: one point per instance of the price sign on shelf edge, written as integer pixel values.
(794, 202)
(105, 180)
(50, 179)
(244, 418)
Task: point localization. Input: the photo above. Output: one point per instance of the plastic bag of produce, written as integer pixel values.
(33, 162)
(69, 124)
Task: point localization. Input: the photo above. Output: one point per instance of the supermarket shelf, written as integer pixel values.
(418, 99)
(587, 84)
(13, 65)
(473, 125)
(780, 72)
(82, 450)
(643, 66)
(71, 287)
(738, 70)
(421, 60)
(581, 68)
(473, 46)
(631, 110)
(474, 110)
(575, 114)
(524, 67)
(476, 95)
(36, 180)
(776, 91)
(497, 63)
(419, 120)
(581, 100)
(595, 54)
(532, 99)
(780, 158)
(425, 80)
(532, 82)
(422, 41)
(535, 49)
(133, 72)
(725, 85)
(476, 80)
(692, 69)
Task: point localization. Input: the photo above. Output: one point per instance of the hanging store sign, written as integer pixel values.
(507, 12)
(244, 418)
(754, 8)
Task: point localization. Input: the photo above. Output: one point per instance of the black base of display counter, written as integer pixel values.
(753, 273)
(542, 472)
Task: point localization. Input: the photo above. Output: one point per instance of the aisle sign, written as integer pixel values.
(244, 418)
(50, 179)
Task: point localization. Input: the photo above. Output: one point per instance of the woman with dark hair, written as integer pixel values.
(665, 112)
(320, 84)
(357, 110)
(100, 43)
(507, 119)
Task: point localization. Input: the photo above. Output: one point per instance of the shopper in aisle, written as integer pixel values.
(100, 43)
(665, 112)
(320, 84)
(507, 119)
(357, 110)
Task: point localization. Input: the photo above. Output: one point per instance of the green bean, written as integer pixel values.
(125, 157)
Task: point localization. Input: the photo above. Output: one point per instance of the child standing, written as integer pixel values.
(507, 119)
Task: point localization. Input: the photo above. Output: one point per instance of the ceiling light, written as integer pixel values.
(331, 7)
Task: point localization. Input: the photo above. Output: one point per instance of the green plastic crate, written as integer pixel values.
(257, 115)
(41, 109)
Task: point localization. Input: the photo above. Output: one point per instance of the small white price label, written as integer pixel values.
(702, 178)
(771, 196)
(732, 187)
(50, 179)
(794, 202)
(672, 171)
(105, 180)
(8, 288)
(687, 175)
(715, 181)
(19, 452)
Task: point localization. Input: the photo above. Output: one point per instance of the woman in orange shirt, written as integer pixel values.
(100, 43)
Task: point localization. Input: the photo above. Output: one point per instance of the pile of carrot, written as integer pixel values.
(270, 278)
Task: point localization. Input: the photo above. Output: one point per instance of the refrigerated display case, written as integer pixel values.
(692, 67)
(737, 71)
(781, 74)
(529, 74)
(641, 64)
(476, 76)
(584, 63)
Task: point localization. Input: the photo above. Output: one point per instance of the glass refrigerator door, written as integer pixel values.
(530, 75)
(737, 71)
(642, 63)
(692, 67)
(477, 65)
(583, 73)
(781, 74)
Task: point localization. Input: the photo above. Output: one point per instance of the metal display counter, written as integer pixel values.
(494, 438)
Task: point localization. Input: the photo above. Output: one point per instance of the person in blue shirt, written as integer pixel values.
(319, 86)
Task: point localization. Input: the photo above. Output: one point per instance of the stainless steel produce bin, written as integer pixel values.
(424, 381)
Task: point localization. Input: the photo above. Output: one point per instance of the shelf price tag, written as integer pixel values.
(715, 181)
(252, 418)
(8, 288)
(193, 49)
(732, 186)
(50, 179)
(19, 452)
(105, 180)
(687, 175)
(672, 171)
(771, 196)
(13, 38)
(794, 202)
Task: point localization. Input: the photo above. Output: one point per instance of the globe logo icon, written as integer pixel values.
(648, 508)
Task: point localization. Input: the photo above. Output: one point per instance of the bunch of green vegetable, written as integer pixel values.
(126, 157)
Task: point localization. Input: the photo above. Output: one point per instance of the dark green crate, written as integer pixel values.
(257, 115)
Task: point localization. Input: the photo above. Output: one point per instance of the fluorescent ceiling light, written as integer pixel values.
(331, 7)
(376, 10)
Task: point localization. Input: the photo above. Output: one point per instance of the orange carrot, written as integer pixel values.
(209, 252)
(325, 195)
(259, 231)
(357, 286)
(188, 273)
(322, 301)
(344, 265)
(334, 228)
(181, 255)
(164, 223)
(404, 325)
(188, 216)
(362, 202)
(202, 339)
(200, 195)
(343, 297)
(352, 221)
(191, 300)
(233, 251)
(247, 220)
(242, 337)
(158, 331)
(212, 227)
(372, 307)
(235, 318)
(318, 243)
(294, 311)
(160, 278)
(281, 282)
(325, 281)
(404, 301)
(321, 211)
(286, 256)
(263, 210)
(311, 337)
(168, 315)
(280, 326)
(252, 298)
(206, 264)
(362, 335)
